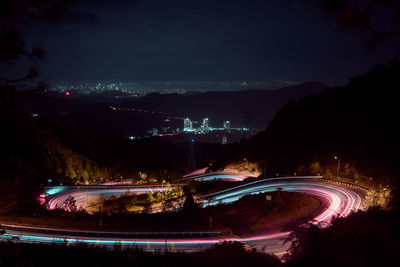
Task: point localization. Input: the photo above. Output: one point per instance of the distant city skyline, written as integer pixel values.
(141, 88)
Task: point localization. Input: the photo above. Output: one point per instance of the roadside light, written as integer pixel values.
(338, 167)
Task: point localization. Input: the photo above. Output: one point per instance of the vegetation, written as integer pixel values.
(229, 253)
(364, 16)
(362, 239)
(141, 202)
(70, 204)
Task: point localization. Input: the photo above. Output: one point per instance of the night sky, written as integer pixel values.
(149, 40)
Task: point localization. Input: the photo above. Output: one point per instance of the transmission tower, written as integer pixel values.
(247, 117)
(191, 165)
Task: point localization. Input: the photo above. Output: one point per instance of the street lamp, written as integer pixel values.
(162, 186)
(165, 229)
(338, 167)
(246, 161)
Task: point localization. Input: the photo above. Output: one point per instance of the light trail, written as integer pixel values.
(196, 172)
(84, 194)
(225, 176)
(339, 199)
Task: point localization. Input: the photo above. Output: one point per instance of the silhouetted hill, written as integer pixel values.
(33, 149)
(357, 123)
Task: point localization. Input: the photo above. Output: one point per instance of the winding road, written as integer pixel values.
(338, 199)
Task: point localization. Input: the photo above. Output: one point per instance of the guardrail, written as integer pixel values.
(88, 233)
(342, 183)
(106, 186)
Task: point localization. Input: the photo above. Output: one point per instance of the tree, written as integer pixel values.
(362, 16)
(362, 239)
(159, 196)
(315, 168)
(70, 204)
(13, 17)
(151, 198)
(189, 204)
(301, 169)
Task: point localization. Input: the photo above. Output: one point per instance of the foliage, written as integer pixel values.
(364, 16)
(240, 255)
(362, 239)
(189, 205)
(14, 16)
(70, 204)
(31, 146)
(315, 168)
(136, 202)
(230, 254)
(17, 196)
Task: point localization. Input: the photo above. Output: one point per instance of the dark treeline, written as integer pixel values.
(228, 254)
(368, 238)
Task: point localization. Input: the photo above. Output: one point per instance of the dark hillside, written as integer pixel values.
(357, 123)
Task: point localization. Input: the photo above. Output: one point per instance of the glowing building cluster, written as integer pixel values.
(227, 125)
(187, 125)
(205, 125)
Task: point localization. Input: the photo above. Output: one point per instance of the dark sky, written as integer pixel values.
(167, 40)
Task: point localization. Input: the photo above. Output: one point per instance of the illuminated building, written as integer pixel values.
(205, 124)
(227, 125)
(187, 125)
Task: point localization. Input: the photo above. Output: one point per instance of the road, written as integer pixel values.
(87, 195)
(338, 199)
